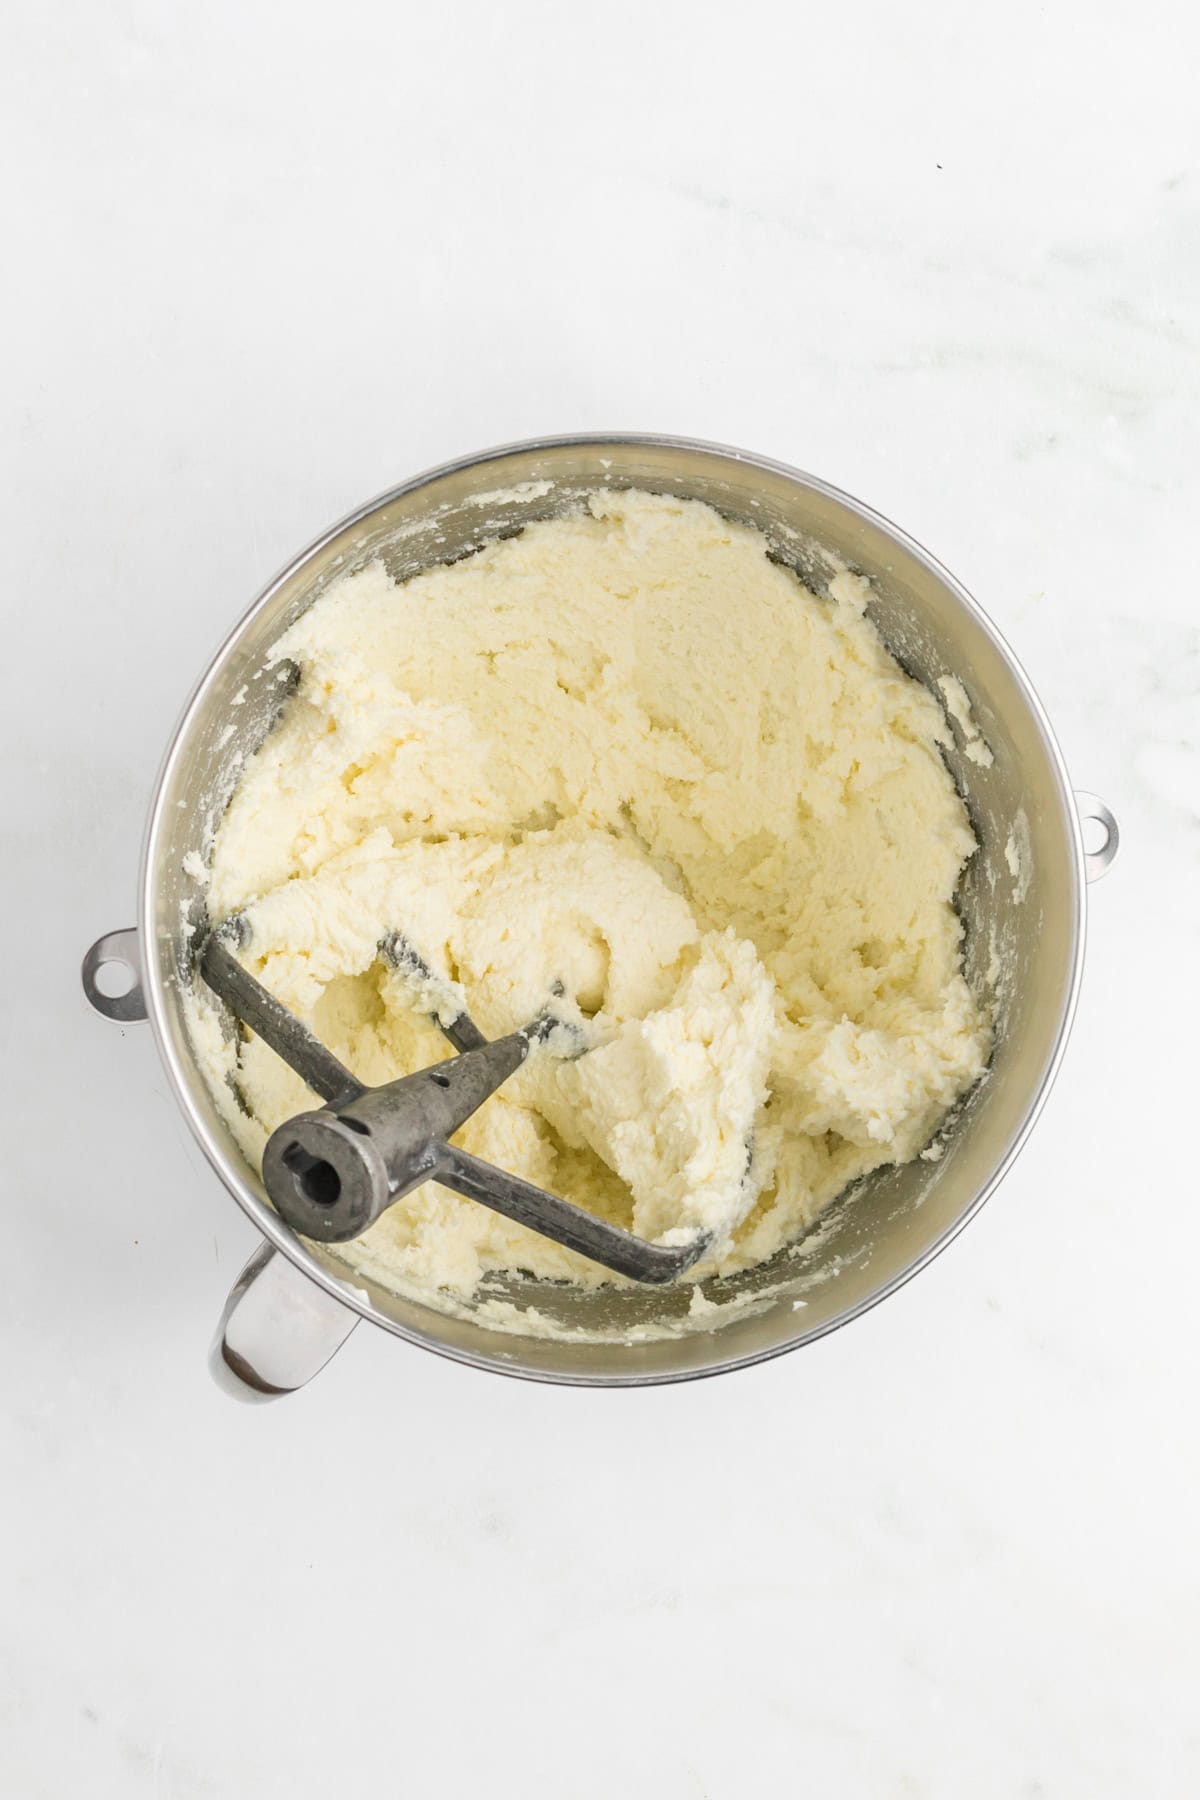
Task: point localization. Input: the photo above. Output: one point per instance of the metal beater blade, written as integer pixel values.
(332, 1172)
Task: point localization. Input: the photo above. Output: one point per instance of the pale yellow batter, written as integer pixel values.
(626, 766)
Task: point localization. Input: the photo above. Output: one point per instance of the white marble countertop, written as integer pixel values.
(261, 262)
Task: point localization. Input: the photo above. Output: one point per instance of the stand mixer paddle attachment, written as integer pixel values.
(331, 1172)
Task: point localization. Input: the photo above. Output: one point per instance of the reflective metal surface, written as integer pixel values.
(1092, 811)
(119, 950)
(333, 1171)
(277, 1331)
(1024, 935)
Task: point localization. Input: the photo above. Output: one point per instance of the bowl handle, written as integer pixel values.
(278, 1328)
(277, 1331)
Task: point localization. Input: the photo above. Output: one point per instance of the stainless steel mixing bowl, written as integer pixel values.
(295, 1303)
